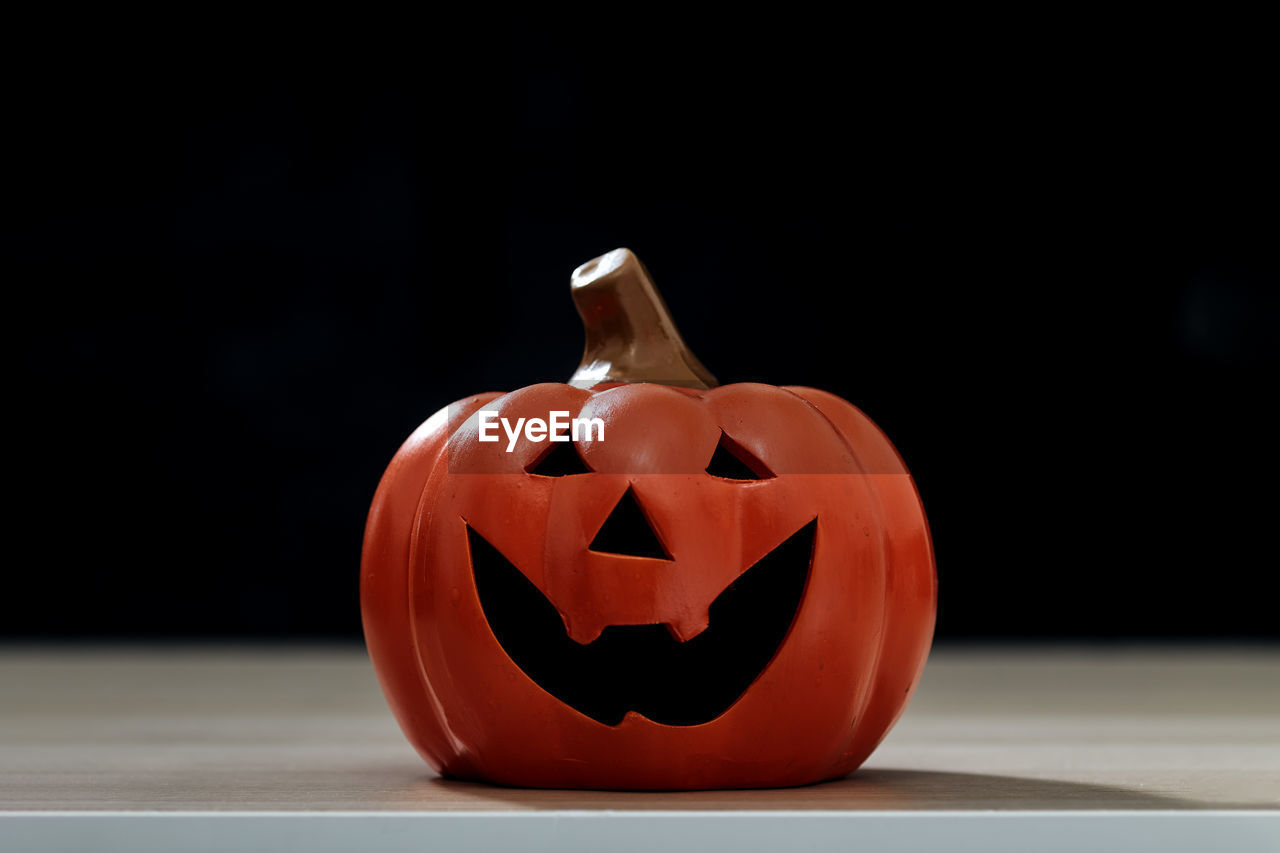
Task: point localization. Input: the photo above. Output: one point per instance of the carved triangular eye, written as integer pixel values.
(732, 462)
(562, 460)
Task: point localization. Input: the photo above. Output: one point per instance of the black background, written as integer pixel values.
(241, 269)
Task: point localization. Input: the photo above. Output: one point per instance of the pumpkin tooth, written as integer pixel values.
(686, 628)
(584, 632)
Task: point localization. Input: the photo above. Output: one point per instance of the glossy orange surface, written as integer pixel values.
(839, 678)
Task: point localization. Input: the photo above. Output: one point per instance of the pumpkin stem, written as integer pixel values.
(630, 334)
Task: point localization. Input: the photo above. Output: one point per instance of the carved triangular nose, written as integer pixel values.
(627, 531)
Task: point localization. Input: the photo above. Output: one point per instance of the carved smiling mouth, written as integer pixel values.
(643, 668)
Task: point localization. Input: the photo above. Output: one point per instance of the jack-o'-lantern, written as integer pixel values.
(704, 587)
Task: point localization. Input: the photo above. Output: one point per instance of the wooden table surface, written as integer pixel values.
(305, 730)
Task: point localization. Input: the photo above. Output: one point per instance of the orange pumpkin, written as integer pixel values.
(734, 587)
